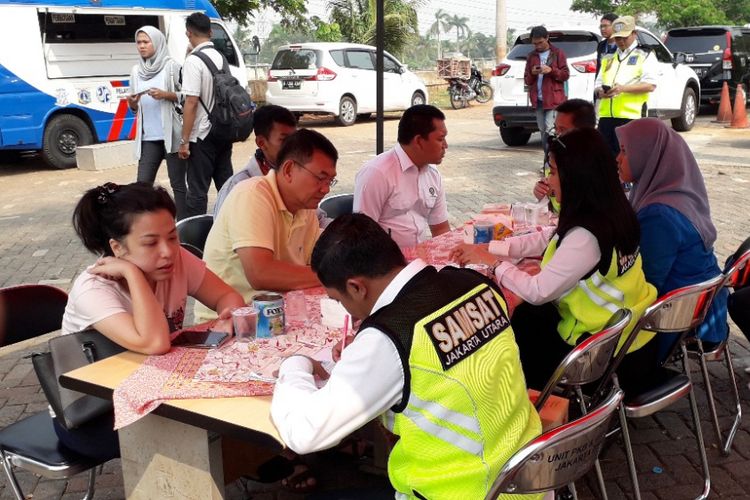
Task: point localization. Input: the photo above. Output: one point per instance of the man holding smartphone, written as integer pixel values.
(545, 76)
(625, 81)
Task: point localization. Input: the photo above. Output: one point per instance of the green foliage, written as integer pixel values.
(673, 13)
(461, 25)
(292, 12)
(325, 32)
(356, 20)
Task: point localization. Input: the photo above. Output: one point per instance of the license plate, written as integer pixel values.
(291, 84)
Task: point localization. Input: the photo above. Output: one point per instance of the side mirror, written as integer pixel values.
(402, 69)
(255, 50)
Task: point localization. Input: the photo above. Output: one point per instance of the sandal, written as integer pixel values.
(272, 470)
(301, 480)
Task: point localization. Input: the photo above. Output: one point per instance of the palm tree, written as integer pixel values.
(440, 24)
(462, 28)
(356, 18)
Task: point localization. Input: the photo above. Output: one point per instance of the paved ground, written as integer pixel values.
(37, 245)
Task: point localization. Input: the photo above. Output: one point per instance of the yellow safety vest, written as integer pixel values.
(626, 71)
(592, 302)
(465, 410)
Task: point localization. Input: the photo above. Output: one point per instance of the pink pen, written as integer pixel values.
(346, 332)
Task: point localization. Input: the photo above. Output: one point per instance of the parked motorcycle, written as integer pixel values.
(462, 91)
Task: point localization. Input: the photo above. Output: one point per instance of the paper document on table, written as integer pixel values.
(247, 361)
(333, 314)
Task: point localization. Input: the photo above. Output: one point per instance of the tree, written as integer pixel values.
(462, 28)
(356, 20)
(292, 12)
(325, 32)
(440, 24)
(672, 13)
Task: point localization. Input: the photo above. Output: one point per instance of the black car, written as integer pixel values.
(717, 54)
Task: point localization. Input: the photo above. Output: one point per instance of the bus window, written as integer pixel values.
(90, 45)
(92, 28)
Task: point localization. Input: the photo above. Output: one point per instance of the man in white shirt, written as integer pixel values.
(411, 359)
(271, 125)
(209, 155)
(401, 189)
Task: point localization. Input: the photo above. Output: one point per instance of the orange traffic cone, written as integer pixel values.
(725, 107)
(739, 118)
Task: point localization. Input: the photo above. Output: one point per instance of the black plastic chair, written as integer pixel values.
(340, 204)
(559, 456)
(23, 319)
(193, 232)
(31, 443)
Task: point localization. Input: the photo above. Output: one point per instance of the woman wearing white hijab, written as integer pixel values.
(671, 203)
(153, 96)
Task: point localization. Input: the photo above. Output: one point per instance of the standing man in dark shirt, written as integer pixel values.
(545, 76)
(607, 45)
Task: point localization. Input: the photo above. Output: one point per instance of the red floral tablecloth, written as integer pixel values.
(236, 369)
(246, 368)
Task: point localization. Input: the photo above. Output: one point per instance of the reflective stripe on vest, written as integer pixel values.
(620, 72)
(587, 307)
(466, 410)
(449, 436)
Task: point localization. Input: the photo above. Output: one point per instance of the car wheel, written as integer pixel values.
(347, 111)
(514, 136)
(484, 93)
(417, 98)
(62, 135)
(686, 120)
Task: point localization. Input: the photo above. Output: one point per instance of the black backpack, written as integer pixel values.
(232, 114)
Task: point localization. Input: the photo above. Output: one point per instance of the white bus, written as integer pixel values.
(65, 65)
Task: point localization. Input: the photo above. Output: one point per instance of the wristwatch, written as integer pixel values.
(493, 267)
(183, 141)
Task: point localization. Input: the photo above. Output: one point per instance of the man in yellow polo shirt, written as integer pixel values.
(264, 234)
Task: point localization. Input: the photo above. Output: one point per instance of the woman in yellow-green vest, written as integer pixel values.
(625, 81)
(590, 268)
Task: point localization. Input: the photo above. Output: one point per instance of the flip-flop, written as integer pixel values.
(296, 482)
(273, 470)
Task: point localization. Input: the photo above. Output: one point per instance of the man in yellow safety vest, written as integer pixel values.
(435, 356)
(625, 81)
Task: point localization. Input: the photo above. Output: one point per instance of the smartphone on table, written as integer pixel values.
(201, 339)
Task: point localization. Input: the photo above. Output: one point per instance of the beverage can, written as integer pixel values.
(270, 308)
(483, 232)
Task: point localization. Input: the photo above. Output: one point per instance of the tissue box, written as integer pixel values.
(554, 413)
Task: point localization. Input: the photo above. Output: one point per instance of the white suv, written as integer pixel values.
(676, 96)
(339, 79)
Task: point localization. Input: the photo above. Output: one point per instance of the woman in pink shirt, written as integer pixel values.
(135, 292)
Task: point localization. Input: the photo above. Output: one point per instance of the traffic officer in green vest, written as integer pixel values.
(590, 268)
(435, 356)
(625, 81)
